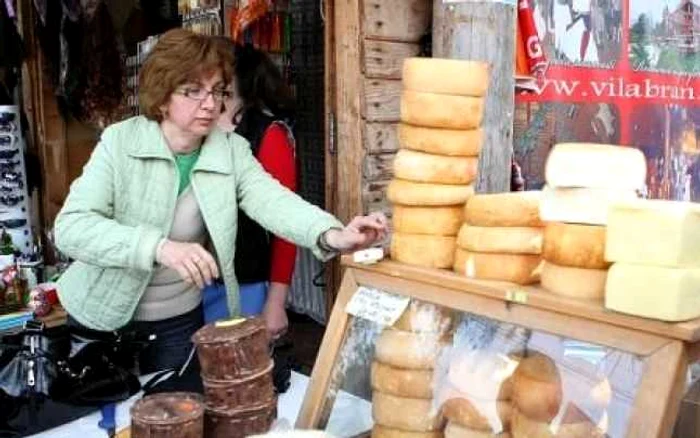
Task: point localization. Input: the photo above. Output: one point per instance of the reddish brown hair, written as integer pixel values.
(179, 56)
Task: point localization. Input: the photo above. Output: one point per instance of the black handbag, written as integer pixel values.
(48, 378)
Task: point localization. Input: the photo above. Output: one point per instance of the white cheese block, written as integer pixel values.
(423, 250)
(596, 166)
(515, 268)
(410, 414)
(659, 233)
(454, 430)
(451, 142)
(588, 284)
(425, 194)
(508, 240)
(575, 245)
(580, 205)
(512, 209)
(446, 76)
(414, 351)
(402, 382)
(430, 168)
(379, 431)
(441, 110)
(668, 294)
(421, 317)
(440, 221)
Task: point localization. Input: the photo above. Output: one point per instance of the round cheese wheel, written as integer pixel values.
(485, 415)
(574, 282)
(512, 209)
(451, 142)
(416, 351)
(441, 110)
(441, 169)
(454, 430)
(515, 268)
(526, 427)
(379, 431)
(537, 388)
(427, 195)
(446, 76)
(423, 317)
(402, 382)
(479, 374)
(508, 240)
(411, 414)
(578, 246)
(440, 221)
(424, 250)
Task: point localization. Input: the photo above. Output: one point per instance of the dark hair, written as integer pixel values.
(260, 83)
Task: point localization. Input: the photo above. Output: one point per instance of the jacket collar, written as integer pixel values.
(214, 157)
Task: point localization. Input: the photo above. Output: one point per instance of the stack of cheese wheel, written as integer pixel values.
(502, 238)
(655, 247)
(402, 373)
(583, 180)
(538, 401)
(478, 398)
(436, 166)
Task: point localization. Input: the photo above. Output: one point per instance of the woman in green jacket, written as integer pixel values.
(152, 218)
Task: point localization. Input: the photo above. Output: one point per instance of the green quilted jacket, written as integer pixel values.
(123, 204)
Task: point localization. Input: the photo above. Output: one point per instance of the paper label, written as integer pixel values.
(377, 306)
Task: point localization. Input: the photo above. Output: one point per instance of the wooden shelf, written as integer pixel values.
(534, 297)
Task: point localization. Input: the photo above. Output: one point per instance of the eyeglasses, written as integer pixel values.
(200, 94)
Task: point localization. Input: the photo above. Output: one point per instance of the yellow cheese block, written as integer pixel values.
(423, 250)
(401, 382)
(578, 246)
(596, 166)
(668, 294)
(410, 414)
(430, 168)
(515, 268)
(379, 431)
(439, 221)
(441, 110)
(513, 209)
(451, 142)
(507, 240)
(566, 281)
(426, 195)
(660, 233)
(580, 205)
(446, 76)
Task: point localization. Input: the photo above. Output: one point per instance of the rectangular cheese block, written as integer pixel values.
(653, 232)
(596, 166)
(580, 205)
(668, 294)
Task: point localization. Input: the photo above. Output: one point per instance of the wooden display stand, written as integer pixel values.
(668, 348)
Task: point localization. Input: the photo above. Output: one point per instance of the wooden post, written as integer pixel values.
(484, 31)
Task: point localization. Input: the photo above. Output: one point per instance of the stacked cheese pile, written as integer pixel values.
(477, 395)
(539, 410)
(436, 165)
(502, 238)
(655, 247)
(402, 373)
(583, 180)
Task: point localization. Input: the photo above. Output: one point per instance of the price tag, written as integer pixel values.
(376, 305)
(516, 296)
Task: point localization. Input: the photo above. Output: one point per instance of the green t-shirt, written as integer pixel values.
(185, 164)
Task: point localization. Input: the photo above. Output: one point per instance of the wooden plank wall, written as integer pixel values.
(390, 32)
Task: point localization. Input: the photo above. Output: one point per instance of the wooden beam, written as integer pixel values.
(384, 59)
(379, 167)
(485, 31)
(396, 20)
(374, 197)
(382, 102)
(380, 138)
